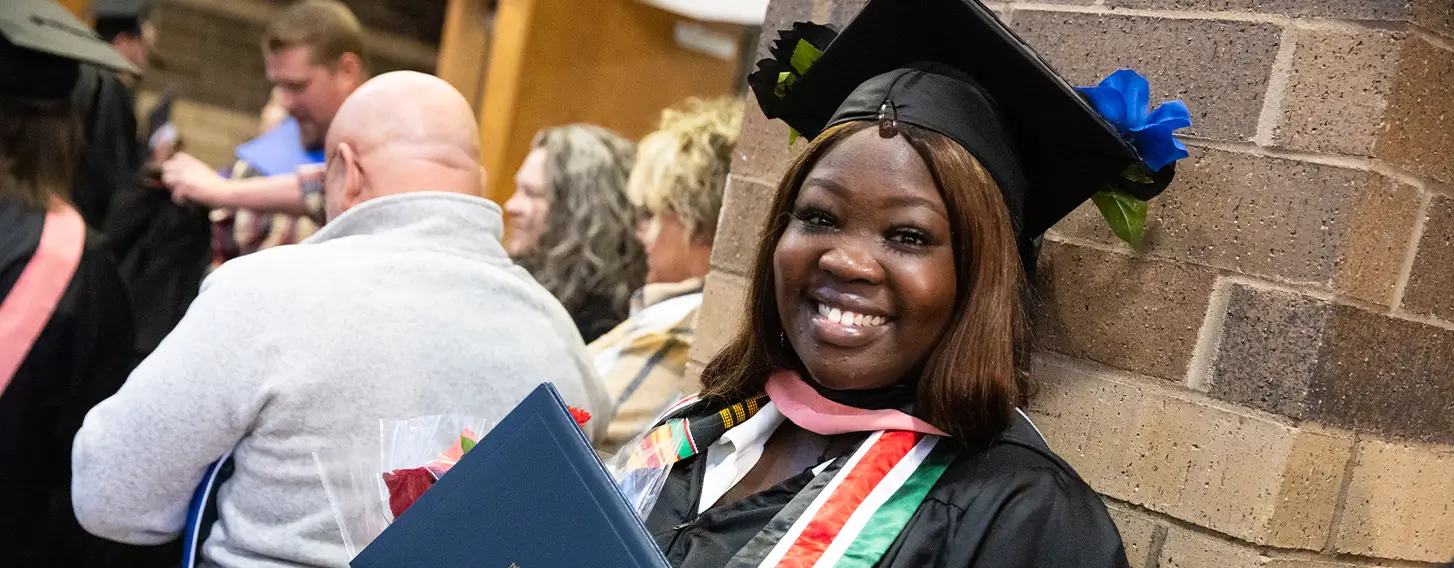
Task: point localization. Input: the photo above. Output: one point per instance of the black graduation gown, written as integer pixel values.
(107, 110)
(1013, 504)
(81, 357)
(162, 249)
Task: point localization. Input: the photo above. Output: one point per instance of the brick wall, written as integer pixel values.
(1269, 379)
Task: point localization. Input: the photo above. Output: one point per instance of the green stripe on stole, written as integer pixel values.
(886, 523)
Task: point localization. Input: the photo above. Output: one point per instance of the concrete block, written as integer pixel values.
(1125, 312)
(1400, 503)
(1385, 375)
(1220, 68)
(1187, 549)
(763, 153)
(723, 307)
(1349, 9)
(1335, 98)
(1378, 238)
(1138, 534)
(1430, 288)
(1271, 217)
(1235, 472)
(1269, 350)
(745, 207)
(1418, 129)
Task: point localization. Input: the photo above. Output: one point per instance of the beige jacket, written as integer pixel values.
(643, 361)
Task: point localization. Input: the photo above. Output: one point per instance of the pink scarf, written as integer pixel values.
(32, 300)
(802, 404)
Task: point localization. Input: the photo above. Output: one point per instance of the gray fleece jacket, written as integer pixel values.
(403, 306)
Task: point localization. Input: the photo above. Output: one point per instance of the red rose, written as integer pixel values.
(406, 486)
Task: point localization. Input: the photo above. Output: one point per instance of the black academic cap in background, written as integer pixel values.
(139, 9)
(115, 17)
(42, 46)
(952, 67)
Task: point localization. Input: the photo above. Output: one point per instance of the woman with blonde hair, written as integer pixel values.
(681, 170)
(571, 224)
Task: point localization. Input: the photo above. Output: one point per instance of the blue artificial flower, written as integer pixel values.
(1124, 98)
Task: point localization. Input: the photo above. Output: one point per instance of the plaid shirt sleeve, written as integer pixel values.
(648, 376)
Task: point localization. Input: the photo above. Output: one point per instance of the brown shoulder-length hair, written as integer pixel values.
(40, 149)
(972, 381)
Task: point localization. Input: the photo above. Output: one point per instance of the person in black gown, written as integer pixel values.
(85, 350)
(868, 412)
(162, 249)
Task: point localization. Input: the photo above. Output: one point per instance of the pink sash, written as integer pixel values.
(812, 412)
(30, 303)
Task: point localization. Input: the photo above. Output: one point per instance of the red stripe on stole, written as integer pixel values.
(867, 473)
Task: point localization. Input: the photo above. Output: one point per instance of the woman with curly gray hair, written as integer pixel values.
(572, 226)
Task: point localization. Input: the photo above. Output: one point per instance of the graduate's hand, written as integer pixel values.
(192, 181)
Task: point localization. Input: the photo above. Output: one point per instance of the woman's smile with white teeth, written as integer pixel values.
(845, 317)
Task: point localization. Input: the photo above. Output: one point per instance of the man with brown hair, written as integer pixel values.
(313, 54)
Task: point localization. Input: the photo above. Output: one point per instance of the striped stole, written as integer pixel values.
(851, 512)
(847, 516)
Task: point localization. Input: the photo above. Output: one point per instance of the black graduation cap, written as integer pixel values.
(114, 17)
(41, 49)
(952, 67)
(138, 9)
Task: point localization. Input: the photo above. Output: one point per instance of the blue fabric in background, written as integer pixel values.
(280, 151)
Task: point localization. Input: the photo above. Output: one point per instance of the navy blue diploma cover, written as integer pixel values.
(531, 494)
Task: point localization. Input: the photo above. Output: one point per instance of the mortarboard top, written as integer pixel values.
(117, 17)
(952, 67)
(129, 9)
(41, 47)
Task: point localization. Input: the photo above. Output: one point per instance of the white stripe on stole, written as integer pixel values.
(1033, 426)
(876, 498)
(782, 547)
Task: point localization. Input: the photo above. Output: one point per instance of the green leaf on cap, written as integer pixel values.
(793, 135)
(1138, 173)
(465, 444)
(784, 81)
(1125, 213)
(804, 55)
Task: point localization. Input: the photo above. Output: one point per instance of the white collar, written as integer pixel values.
(755, 431)
(736, 453)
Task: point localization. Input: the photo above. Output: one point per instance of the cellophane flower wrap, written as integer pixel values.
(641, 467)
(369, 486)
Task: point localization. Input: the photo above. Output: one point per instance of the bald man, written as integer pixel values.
(430, 143)
(404, 305)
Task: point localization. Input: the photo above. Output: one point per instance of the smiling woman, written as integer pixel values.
(867, 413)
(929, 280)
